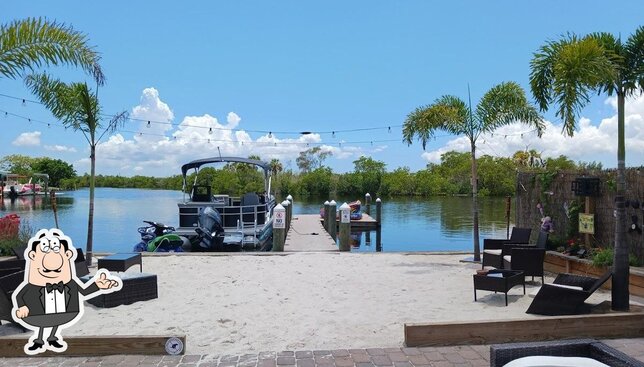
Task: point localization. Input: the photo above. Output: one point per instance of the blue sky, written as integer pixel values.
(292, 66)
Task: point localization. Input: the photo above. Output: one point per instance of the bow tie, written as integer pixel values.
(57, 286)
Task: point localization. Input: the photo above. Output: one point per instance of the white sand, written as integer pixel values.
(302, 301)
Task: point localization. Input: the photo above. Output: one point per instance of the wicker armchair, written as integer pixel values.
(527, 258)
(502, 354)
(566, 295)
(493, 248)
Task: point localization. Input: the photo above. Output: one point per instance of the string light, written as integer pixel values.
(210, 131)
(148, 124)
(389, 128)
(270, 134)
(24, 103)
(333, 134)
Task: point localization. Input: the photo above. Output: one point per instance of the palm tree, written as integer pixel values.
(276, 166)
(30, 43)
(564, 72)
(502, 105)
(76, 106)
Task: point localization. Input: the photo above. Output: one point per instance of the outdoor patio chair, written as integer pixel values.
(248, 202)
(19, 251)
(493, 248)
(527, 258)
(581, 350)
(566, 295)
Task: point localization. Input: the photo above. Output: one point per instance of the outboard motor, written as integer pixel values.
(210, 230)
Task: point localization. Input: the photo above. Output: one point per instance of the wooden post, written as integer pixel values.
(290, 210)
(378, 211)
(279, 228)
(589, 209)
(367, 203)
(325, 217)
(286, 205)
(53, 207)
(333, 227)
(508, 202)
(378, 240)
(345, 227)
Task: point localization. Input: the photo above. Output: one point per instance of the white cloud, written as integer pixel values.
(28, 139)
(161, 149)
(591, 142)
(60, 148)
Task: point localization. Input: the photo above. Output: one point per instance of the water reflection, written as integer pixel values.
(358, 238)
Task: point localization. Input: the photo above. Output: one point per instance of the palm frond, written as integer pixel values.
(504, 104)
(32, 43)
(633, 75)
(542, 68)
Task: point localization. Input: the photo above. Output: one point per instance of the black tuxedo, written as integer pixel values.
(33, 297)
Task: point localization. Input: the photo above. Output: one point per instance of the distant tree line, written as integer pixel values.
(497, 176)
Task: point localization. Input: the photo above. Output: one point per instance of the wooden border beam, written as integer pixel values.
(613, 325)
(12, 346)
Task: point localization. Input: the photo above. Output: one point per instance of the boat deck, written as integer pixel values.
(307, 235)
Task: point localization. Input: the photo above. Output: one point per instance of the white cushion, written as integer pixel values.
(551, 361)
(567, 286)
(492, 252)
(507, 258)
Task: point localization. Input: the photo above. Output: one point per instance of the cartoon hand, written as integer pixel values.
(103, 283)
(22, 312)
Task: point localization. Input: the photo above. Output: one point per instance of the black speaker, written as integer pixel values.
(586, 186)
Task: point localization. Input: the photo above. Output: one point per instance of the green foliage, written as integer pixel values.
(31, 43)
(56, 169)
(604, 257)
(311, 159)
(371, 172)
(17, 163)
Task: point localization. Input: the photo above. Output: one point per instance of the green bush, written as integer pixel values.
(24, 234)
(604, 257)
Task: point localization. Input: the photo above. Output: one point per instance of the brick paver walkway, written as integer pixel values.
(465, 355)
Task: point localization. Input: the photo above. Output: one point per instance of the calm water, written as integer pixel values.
(433, 224)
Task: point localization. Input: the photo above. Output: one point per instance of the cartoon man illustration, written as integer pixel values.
(51, 295)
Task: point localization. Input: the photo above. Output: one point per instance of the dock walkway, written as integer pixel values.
(307, 234)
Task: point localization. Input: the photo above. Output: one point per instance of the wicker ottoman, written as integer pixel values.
(136, 287)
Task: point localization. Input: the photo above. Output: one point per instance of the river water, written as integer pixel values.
(408, 224)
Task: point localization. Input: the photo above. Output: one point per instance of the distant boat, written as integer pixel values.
(11, 187)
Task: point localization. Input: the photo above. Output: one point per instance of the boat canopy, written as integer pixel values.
(196, 164)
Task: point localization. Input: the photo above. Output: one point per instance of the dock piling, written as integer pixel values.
(378, 211)
(332, 225)
(279, 228)
(289, 211)
(286, 205)
(325, 218)
(367, 203)
(345, 227)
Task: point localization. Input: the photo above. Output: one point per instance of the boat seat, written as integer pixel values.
(249, 202)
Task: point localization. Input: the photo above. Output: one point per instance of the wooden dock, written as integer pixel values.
(307, 235)
(367, 222)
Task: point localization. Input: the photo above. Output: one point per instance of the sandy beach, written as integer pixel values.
(302, 301)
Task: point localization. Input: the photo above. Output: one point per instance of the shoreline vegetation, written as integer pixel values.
(451, 177)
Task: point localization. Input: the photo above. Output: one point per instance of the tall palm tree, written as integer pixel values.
(31, 43)
(77, 107)
(502, 105)
(563, 73)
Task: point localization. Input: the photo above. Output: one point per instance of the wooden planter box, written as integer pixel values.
(559, 263)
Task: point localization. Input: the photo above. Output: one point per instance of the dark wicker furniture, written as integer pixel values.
(498, 281)
(493, 248)
(527, 258)
(8, 285)
(500, 354)
(136, 287)
(562, 300)
(120, 262)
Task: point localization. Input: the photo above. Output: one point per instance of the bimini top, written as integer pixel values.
(200, 162)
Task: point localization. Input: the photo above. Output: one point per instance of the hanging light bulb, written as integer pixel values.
(140, 134)
(270, 134)
(333, 134)
(389, 129)
(24, 103)
(340, 145)
(521, 136)
(48, 124)
(29, 119)
(210, 131)
(148, 124)
(6, 114)
(372, 143)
